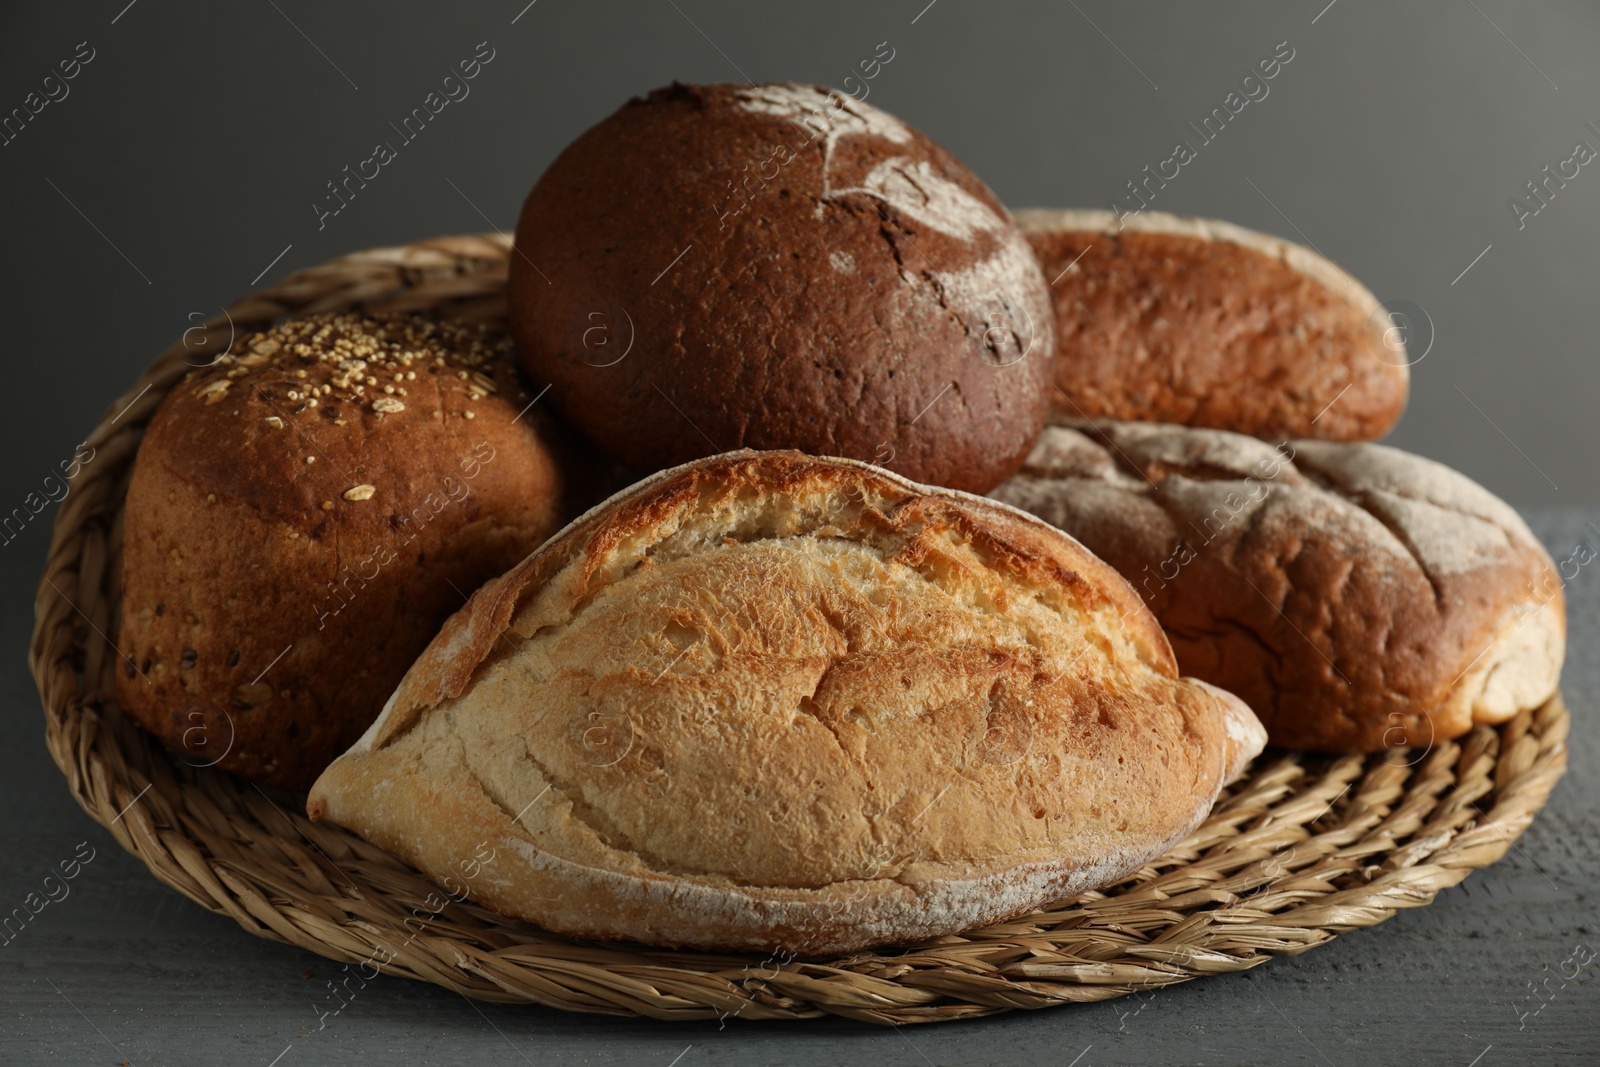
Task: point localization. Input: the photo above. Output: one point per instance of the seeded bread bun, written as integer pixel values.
(766, 701)
(792, 269)
(302, 516)
(1162, 318)
(1357, 597)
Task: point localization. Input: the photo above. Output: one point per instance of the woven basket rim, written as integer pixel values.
(1304, 847)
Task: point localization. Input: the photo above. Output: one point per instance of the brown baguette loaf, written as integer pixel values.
(1356, 596)
(792, 269)
(769, 701)
(1192, 321)
(303, 514)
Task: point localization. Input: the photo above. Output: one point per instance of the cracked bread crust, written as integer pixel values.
(793, 269)
(1357, 597)
(769, 701)
(1165, 318)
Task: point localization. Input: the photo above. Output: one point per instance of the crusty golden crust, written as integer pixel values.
(320, 495)
(770, 701)
(1164, 318)
(1355, 596)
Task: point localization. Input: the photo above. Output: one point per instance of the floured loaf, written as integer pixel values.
(770, 701)
(1356, 596)
(793, 268)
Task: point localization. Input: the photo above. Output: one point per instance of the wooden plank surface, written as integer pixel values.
(123, 969)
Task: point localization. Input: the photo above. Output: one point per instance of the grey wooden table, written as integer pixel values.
(124, 969)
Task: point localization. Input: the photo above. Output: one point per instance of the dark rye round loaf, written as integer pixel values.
(780, 266)
(1355, 596)
(303, 514)
(1164, 318)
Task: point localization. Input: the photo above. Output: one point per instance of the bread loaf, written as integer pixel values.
(767, 701)
(792, 268)
(1356, 597)
(303, 513)
(1203, 323)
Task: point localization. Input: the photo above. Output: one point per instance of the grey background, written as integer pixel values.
(191, 149)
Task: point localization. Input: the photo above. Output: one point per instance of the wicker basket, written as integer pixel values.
(1302, 849)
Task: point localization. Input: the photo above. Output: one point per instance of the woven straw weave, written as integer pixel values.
(1300, 850)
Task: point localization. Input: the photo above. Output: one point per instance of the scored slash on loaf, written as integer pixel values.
(769, 701)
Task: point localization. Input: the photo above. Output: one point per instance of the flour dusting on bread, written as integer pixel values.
(817, 107)
(1358, 597)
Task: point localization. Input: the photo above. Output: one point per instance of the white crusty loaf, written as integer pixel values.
(1356, 596)
(774, 702)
